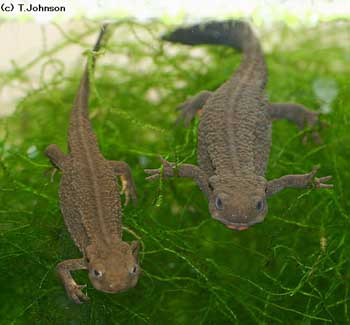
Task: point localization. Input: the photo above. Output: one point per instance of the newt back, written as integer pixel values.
(234, 129)
(90, 199)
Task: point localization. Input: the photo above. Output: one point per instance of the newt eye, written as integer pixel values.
(260, 205)
(97, 274)
(218, 203)
(133, 270)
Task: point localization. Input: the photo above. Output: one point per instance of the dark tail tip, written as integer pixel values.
(103, 31)
(176, 35)
(189, 35)
(229, 32)
(166, 37)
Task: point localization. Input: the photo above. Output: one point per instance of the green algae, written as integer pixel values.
(293, 268)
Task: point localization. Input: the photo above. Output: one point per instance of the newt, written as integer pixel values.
(91, 205)
(234, 133)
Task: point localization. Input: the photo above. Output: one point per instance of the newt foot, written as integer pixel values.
(128, 189)
(318, 182)
(313, 122)
(74, 292)
(191, 107)
(166, 171)
(51, 172)
(187, 112)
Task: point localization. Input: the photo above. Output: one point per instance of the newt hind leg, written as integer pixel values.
(56, 156)
(123, 170)
(298, 114)
(191, 107)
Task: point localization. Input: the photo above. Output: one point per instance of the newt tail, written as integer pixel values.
(79, 120)
(232, 33)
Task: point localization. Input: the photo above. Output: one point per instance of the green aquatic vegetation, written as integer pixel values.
(294, 267)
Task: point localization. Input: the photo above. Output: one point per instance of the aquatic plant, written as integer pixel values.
(292, 268)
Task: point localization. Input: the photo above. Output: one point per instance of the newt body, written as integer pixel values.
(91, 206)
(234, 136)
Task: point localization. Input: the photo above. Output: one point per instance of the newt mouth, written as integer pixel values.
(238, 226)
(113, 290)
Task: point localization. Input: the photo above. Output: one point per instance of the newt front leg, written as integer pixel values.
(183, 170)
(297, 181)
(72, 288)
(298, 114)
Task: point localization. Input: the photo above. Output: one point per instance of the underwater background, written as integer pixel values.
(292, 269)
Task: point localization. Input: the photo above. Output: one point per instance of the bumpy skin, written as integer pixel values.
(234, 136)
(91, 205)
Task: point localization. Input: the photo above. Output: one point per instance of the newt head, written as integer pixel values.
(113, 268)
(238, 202)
